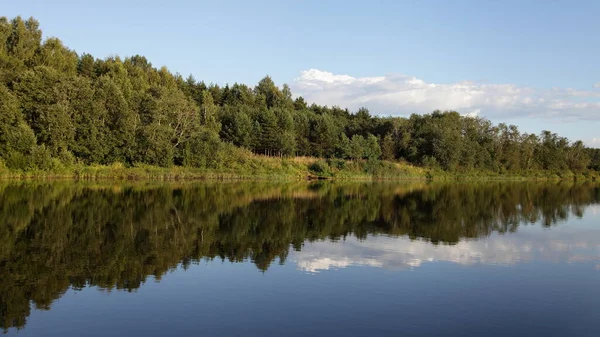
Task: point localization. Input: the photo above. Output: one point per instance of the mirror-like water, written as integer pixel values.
(326, 259)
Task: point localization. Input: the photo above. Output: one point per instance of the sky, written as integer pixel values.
(532, 63)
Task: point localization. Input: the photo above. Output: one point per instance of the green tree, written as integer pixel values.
(236, 126)
(121, 121)
(357, 147)
(16, 137)
(324, 135)
(577, 157)
(209, 113)
(344, 145)
(169, 120)
(372, 148)
(91, 120)
(53, 54)
(86, 66)
(267, 88)
(269, 136)
(45, 102)
(388, 147)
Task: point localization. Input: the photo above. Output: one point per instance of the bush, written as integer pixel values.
(338, 164)
(117, 165)
(380, 168)
(431, 162)
(372, 166)
(320, 167)
(66, 157)
(203, 151)
(17, 161)
(41, 158)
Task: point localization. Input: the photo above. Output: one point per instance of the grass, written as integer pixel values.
(258, 167)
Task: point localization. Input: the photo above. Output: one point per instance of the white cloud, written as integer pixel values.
(597, 85)
(473, 113)
(593, 142)
(396, 94)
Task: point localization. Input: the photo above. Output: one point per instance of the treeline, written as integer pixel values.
(57, 236)
(58, 108)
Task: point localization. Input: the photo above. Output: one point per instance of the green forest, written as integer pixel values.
(60, 109)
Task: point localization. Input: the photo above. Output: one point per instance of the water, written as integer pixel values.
(328, 259)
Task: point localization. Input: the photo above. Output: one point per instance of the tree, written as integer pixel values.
(551, 151)
(269, 135)
(285, 123)
(44, 96)
(53, 54)
(169, 120)
(361, 122)
(203, 150)
(357, 147)
(269, 90)
(236, 126)
(388, 150)
(90, 118)
(209, 113)
(594, 155)
(372, 148)
(344, 147)
(577, 157)
(300, 104)
(302, 132)
(121, 121)
(24, 39)
(323, 135)
(16, 137)
(529, 145)
(86, 66)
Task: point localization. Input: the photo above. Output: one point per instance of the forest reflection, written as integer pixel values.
(56, 236)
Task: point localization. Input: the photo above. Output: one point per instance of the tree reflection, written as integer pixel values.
(56, 236)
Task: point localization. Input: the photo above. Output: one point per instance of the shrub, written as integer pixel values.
(117, 165)
(66, 157)
(41, 158)
(430, 162)
(372, 166)
(338, 164)
(381, 168)
(17, 161)
(320, 167)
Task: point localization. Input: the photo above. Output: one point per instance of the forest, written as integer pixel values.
(60, 236)
(59, 108)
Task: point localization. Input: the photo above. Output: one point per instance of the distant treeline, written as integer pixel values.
(58, 108)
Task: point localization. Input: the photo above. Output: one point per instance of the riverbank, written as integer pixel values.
(257, 168)
(274, 168)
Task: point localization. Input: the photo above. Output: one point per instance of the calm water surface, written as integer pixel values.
(331, 259)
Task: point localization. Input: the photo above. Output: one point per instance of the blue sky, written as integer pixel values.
(529, 63)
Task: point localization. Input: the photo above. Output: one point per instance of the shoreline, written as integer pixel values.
(292, 169)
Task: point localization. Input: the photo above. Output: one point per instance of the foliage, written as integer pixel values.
(320, 167)
(58, 108)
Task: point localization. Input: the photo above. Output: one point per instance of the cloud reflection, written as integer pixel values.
(560, 245)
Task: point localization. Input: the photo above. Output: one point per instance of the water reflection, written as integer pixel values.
(59, 236)
(400, 253)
